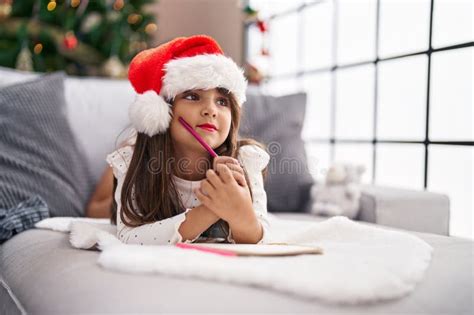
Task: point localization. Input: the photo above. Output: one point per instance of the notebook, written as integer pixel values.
(272, 249)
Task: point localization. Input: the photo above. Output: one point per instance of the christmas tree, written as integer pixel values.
(82, 37)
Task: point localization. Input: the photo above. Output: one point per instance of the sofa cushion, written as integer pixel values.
(97, 110)
(38, 151)
(277, 122)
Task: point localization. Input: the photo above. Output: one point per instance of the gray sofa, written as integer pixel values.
(41, 273)
(407, 209)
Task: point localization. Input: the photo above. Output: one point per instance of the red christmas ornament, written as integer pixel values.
(70, 41)
(262, 26)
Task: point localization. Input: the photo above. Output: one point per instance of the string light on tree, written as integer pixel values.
(51, 5)
(38, 48)
(134, 18)
(5, 9)
(118, 5)
(151, 28)
(75, 3)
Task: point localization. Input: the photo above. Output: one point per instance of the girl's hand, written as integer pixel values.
(225, 196)
(233, 165)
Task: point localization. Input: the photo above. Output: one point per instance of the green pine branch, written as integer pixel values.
(83, 53)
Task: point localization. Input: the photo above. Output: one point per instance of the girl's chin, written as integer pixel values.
(197, 146)
(209, 137)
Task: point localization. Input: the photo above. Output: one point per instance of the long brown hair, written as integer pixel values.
(153, 192)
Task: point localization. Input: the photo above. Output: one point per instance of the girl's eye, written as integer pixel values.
(223, 101)
(191, 96)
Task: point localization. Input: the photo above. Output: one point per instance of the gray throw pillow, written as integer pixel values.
(38, 152)
(277, 121)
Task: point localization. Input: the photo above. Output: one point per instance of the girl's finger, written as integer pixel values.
(205, 200)
(235, 167)
(213, 178)
(223, 160)
(207, 187)
(225, 173)
(239, 178)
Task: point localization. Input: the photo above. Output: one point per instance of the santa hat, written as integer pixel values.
(185, 63)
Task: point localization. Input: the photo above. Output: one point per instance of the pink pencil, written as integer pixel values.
(217, 251)
(197, 136)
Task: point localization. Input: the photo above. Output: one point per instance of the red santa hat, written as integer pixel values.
(185, 63)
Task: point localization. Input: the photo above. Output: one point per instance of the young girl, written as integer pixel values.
(167, 187)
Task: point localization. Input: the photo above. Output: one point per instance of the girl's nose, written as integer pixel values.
(210, 109)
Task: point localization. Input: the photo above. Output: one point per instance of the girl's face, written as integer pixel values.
(201, 107)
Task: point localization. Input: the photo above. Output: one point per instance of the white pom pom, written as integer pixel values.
(150, 113)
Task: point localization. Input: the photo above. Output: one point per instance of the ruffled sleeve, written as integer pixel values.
(119, 160)
(254, 159)
(132, 137)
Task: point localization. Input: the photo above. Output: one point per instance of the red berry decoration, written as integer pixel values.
(262, 26)
(70, 41)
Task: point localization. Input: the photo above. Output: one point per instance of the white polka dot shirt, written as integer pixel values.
(166, 231)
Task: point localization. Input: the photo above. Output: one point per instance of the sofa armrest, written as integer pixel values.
(420, 211)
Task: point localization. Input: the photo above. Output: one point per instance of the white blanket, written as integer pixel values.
(360, 264)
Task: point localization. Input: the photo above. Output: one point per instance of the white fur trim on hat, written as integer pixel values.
(150, 113)
(203, 72)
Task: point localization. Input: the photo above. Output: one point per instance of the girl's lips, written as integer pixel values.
(207, 129)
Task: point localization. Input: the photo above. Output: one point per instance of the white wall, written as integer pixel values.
(221, 19)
